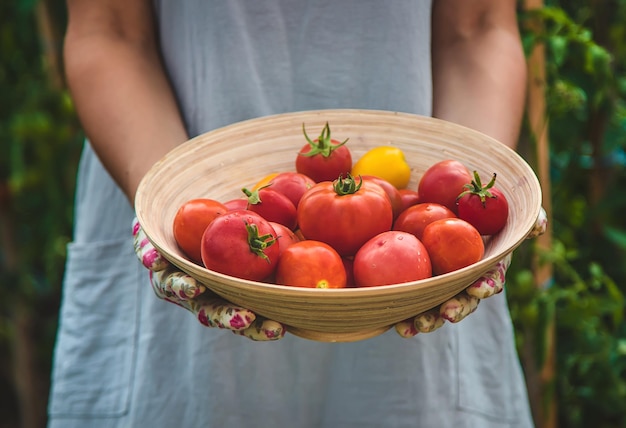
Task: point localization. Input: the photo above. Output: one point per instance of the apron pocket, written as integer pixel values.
(96, 343)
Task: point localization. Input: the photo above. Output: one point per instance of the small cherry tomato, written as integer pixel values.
(443, 182)
(409, 197)
(285, 236)
(391, 257)
(414, 219)
(452, 244)
(385, 162)
(190, 221)
(311, 264)
(484, 207)
(324, 159)
(272, 206)
(241, 244)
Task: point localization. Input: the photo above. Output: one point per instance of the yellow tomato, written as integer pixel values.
(264, 181)
(385, 162)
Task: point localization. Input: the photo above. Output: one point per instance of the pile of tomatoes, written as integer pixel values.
(330, 223)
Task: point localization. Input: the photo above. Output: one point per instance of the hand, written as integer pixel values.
(172, 285)
(466, 302)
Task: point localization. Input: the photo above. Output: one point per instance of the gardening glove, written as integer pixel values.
(172, 285)
(466, 302)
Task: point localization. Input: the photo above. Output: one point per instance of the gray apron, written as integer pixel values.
(127, 359)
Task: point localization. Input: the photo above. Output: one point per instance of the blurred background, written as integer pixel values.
(566, 290)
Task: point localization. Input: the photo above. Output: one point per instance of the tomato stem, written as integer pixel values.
(259, 243)
(476, 188)
(323, 145)
(347, 186)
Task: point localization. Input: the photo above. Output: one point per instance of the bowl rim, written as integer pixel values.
(480, 267)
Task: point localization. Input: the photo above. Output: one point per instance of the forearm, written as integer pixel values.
(479, 81)
(124, 102)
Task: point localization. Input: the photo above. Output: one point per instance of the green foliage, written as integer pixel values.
(40, 143)
(586, 85)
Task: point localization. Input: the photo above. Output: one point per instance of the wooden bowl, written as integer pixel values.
(219, 163)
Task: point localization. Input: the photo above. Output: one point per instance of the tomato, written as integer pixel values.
(442, 183)
(272, 206)
(452, 244)
(291, 184)
(385, 162)
(190, 221)
(241, 244)
(324, 159)
(311, 264)
(394, 194)
(414, 219)
(344, 214)
(484, 207)
(409, 198)
(285, 236)
(348, 264)
(236, 204)
(391, 257)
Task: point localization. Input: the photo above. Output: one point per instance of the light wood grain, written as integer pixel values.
(219, 163)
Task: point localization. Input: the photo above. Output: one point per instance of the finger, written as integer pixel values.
(263, 330)
(216, 312)
(492, 282)
(428, 321)
(145, 251)
(176, 282)
(457, 308)
(541, 225)
(406, 328)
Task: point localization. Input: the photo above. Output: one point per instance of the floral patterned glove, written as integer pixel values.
(172, 285)
(466, 302)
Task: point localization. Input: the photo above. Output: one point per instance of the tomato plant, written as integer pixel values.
(386, 162)
(272, 206)
(452, 244)
(241, 244)
(311, 264)
(345, 213)
(484, 207)
(391, 257)
(414, 219)
(190, 221)
(442, 183)
(324, 159)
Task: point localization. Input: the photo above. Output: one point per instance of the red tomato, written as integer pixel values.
(286, 236)
(484, 207)
(272, 206)
(241, 244)
(311, 264)
(324, 159)
(291, 184)
(409, 198)
(236, 204)
(348, 264)
(190, 221)
(414, 219)
(345, 213)
(391, 257)
(394, 194)
(452, 244)
(443, 182)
